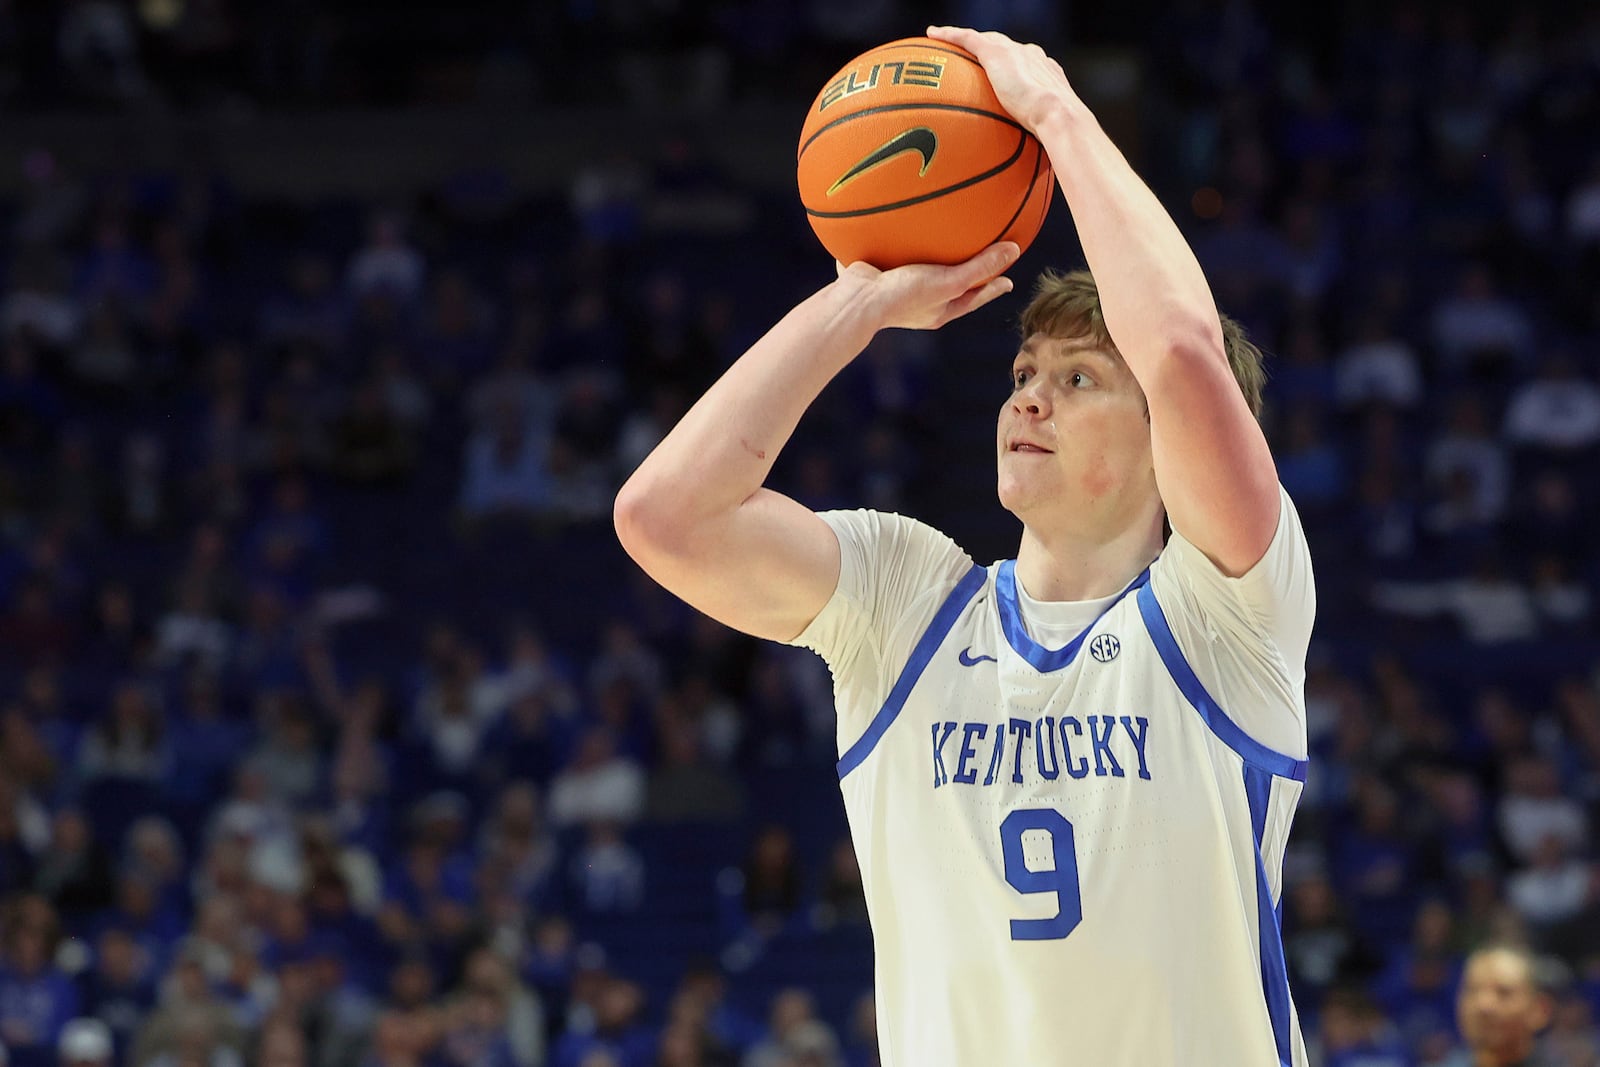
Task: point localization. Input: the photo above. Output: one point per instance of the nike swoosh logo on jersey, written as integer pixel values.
(969, 660)
(918, 139)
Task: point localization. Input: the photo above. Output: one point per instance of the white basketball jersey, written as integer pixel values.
(1071, 845)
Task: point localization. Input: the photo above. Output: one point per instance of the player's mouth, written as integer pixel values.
(1028, 447)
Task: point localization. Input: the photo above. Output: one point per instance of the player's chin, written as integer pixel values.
(1013, 496)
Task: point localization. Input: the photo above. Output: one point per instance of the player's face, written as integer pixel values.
(1074, 435)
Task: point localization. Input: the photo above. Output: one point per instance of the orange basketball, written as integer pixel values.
(907, 157)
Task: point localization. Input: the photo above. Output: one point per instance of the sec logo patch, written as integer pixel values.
(1105, 648)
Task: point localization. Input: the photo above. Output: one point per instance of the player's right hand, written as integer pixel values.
(925, 296)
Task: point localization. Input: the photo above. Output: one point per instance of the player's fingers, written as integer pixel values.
(986, 264)
(967, 38)
(973, 299)
(958, 35)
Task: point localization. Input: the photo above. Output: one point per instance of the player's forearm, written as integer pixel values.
(1152, 291)
(722, 450)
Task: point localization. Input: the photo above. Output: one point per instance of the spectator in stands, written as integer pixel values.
(191, 1020)
(515, 836)
(85, 1043)
(618, 1029)
(1572, 1039)
(599, 784)
(1310, 465)
(793, 1030)
(1501, 1007)
(1467, 446)
(456, 331)
(120, 988)
(766, 892)
(1374, 864)
(1378, 367)
(607, 874)
(75, 873)
(475, 1032)
(387, 263)
(1559, 410)
(684, 786)
(1534, 809)
(506, 471)
(550, 962)
(1322, 948)
(488, 974)
(127, 743)
(36, 999)
(1354, 1033)
(1478, 328)
(396, 1042)
(1418, 987)
(1555, 888)
(282, 1044)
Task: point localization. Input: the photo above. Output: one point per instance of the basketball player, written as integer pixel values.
(1069, 776)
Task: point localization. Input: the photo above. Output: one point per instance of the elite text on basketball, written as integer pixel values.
(910, 72)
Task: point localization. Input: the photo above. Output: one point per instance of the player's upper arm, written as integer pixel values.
(1212, 465)
(766, 569)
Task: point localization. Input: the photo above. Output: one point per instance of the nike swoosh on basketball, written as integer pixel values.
(969, 660)
(918, 139)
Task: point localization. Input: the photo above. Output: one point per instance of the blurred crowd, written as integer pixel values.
(230, 55)
(335, 730)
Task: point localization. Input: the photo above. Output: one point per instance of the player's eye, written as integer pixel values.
(1019, 378)
(1079, 380)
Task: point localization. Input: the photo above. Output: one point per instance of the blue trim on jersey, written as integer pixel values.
(1258, 791)
(1250, 750)
(1269, 924)
(1044, 660)
(921, 655)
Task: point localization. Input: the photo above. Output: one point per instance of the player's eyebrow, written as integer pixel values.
(1030, 349)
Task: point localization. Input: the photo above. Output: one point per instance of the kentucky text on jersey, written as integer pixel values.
(1026, 751)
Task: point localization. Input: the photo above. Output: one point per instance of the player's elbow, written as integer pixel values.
(639, 519)
(651, 521)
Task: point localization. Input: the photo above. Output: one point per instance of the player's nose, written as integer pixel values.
(1032, 399)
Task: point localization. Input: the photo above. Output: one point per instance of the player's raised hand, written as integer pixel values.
(925, 296)
(1028, 83)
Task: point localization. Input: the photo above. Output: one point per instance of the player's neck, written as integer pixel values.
(1078, 565)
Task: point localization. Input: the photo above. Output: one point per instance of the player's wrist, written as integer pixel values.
(863, 301)
(1063, 115)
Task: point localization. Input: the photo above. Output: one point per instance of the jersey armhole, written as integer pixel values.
(1253, 752)
(932, 637)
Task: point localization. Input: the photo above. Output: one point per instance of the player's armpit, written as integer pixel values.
(766, 568)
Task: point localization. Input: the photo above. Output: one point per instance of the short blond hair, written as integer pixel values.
(1067, 305)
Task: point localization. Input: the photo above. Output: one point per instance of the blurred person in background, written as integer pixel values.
(37, 999)
(85, 1043)
(1501, 1009)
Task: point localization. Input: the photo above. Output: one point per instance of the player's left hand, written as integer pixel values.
(1029, 84)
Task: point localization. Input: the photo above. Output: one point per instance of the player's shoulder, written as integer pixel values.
(1275, 599)
(893, 534)
(1287, 551)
